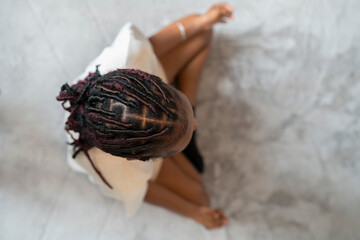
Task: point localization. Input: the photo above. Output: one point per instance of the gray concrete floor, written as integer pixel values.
(278, 114)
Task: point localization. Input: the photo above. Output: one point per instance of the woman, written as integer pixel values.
(129, 111)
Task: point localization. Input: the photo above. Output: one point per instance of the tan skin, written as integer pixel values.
(179, 187)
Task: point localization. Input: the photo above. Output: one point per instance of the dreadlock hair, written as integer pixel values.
(126, 112)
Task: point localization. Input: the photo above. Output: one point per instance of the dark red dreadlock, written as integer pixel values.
(126, 112)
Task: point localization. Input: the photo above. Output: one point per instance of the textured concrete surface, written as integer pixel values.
(278, 116)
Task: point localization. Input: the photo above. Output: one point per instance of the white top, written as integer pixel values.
(129, 179)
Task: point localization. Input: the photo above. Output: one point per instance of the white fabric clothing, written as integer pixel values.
(129, 179)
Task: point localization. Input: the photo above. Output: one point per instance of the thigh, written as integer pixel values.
(174, 60)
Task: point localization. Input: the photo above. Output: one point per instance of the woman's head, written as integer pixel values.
(128, 113)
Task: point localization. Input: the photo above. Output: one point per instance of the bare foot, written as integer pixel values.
(210, 218)
(218, 13)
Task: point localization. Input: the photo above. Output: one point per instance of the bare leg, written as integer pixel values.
(187, 61)
(172, 177)
(184, 164)
(189, 77)
(174, 190)
(161, 196)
